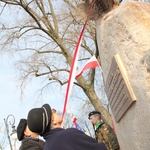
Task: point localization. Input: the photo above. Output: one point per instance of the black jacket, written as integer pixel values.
(31, 144)
(70, 139)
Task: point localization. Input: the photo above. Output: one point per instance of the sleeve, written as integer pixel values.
(109, 137)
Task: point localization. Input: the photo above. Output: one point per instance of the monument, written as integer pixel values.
(124, 34)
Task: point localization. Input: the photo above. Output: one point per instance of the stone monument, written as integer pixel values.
(124, 34)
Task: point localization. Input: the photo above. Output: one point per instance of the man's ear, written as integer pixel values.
(26, 131)
(52, 119)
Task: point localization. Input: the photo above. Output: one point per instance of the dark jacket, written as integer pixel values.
(70, 139)
(31, 144)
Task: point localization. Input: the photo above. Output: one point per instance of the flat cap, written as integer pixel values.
(93, 113)
(39, 119)
(20, 129)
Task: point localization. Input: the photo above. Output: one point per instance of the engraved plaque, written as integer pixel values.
(119, 92)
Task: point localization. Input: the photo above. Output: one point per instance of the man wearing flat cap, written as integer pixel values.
(103, 132)
(46, 122)
(29, 140)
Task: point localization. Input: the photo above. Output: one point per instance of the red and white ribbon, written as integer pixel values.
(74, 63)
(91, 63)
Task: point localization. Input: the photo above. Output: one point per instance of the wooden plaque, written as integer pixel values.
(118, 90)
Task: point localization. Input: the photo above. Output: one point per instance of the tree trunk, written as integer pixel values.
(91, 94)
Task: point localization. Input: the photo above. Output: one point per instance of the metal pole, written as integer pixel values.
(7, 128)
(0, 147)
(15, 145)
(7, 131)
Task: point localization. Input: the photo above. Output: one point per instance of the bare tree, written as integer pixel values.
(43, 35)
(3, 138)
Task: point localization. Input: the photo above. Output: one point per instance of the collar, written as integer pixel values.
(52, 132)
(98, 124)
(30, 137)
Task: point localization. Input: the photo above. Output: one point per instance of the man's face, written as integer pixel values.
(56, 119)
(94, 119)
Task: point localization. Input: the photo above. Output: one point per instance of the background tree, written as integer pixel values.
(42, 35)
(3, 139)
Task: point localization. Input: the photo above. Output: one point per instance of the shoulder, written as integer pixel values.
(104, 127)
(32, 144)
(33, 141)
(41, 141)
(73, 131)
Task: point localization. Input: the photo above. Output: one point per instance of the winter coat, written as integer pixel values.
(70, 139)
(31, 144)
